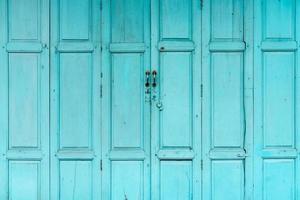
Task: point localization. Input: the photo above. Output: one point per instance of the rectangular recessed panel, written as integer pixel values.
(127, 100)
(176, 99)
(176, 180)
(24, 180)
(24, 85)
(279, 19)
(175, 19)
(75, 19)
(227, 99)
(127, 20)
(227, 179)
(279, 176)
(24, 19)
(227, 19)
(278, 98)
(127, 180)
(75, 180)
(75, 99)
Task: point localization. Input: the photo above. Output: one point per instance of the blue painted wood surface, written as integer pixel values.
(77, 121)
(227, 99)
(75, 93)
(176, 126)
(276, 99)
(24, 100)
(125, 103)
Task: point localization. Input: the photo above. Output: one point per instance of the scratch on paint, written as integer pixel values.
(125, 195)
(75, 175)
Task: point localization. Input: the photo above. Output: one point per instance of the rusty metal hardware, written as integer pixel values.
(154, 76)
(147, 84)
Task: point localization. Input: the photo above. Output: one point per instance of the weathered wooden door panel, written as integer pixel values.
(227, 104)
(276, 99)
(75, 100)
(24, 100)
(176, 100)
(126, 101)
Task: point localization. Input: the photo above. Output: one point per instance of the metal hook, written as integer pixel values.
(154, 75)
(147, 84)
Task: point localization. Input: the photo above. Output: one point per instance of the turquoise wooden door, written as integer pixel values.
(149, 99)
(75, 100)
(276, 99)
(176, 99)
(126, 99)
(24, 100)
(227, 99)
